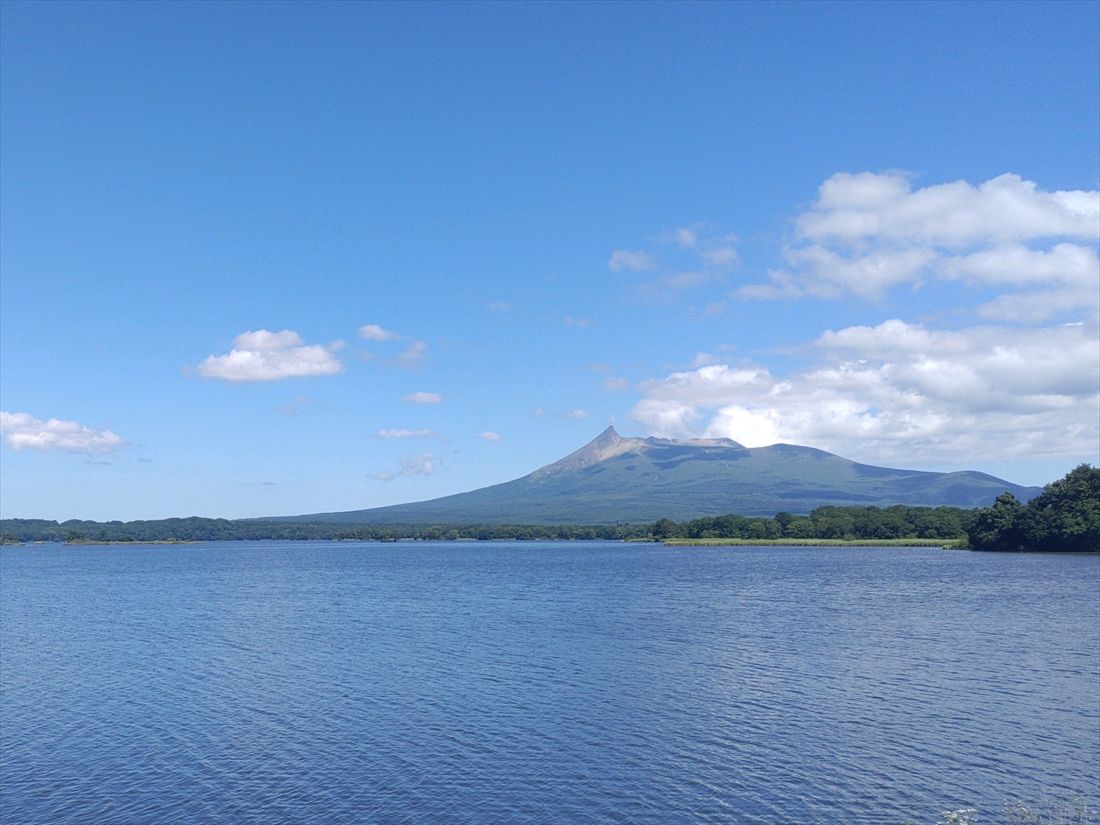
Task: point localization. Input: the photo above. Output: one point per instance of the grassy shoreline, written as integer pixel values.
(952, 544)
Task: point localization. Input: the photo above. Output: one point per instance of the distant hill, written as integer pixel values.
(615, 479)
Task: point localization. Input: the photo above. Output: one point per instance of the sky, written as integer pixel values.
(279, 258)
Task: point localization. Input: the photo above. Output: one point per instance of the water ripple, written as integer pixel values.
(544, 683)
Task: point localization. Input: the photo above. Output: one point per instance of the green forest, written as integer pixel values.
(850, 523)
(1064, 517)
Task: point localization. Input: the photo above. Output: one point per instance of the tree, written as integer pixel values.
(1065, 516)
(998, 527)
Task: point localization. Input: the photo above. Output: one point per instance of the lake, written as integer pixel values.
(316, 682)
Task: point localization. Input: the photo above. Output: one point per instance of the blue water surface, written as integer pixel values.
(316, 682)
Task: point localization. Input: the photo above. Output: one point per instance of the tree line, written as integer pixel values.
(824, 522)
(1064, 517)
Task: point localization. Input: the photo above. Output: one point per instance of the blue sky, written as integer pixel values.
(264, 259)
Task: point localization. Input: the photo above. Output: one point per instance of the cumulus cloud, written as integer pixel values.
(373, 332)
(631, 261)
(488, 435)
(22, 431)
(403, 433)
(897, 390)
(424, 398)
(868, 232)
(856, 207)
(263, 355)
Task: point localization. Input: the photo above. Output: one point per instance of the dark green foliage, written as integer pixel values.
(824, 522)
(205, 529)
(848, 523)
(1065, 517)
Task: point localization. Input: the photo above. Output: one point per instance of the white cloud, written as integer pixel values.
(490, 436)
(403, 433)
(373, 332)
(714, 308)
(578, 413)
(721, 257)
(21, 431)
(424, 398)
(570, 321)
(682, 237)
(869, 232)
(687, 280)
(857, 207)
(1019, 265)
(498, 306)
(423, 465)
(413, 355)
(263, 355)
(703, 359)
(632, 261)
(413, 465)
(614, 384)
(700, 257)
(894, 391)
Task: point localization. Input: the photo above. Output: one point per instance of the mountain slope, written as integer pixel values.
(616, 479)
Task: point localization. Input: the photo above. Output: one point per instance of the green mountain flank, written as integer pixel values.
(613, 479)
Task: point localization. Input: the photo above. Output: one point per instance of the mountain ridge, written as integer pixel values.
(613, 479)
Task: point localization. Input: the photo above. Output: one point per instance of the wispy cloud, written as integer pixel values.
(578, 413)
(373, 332)
(490, 436)
(300, 404)
(570, 321)
(631, 261)
(683, 237)
(22, 431)
(424, 398)
(498, 306)
(413, 355)
(414, 465)
(263, 355)
(613, 384)
(692, 257)
(403, 433)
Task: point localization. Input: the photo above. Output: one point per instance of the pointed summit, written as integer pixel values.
(607, 444)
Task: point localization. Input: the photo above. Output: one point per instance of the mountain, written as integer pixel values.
(615, 479)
